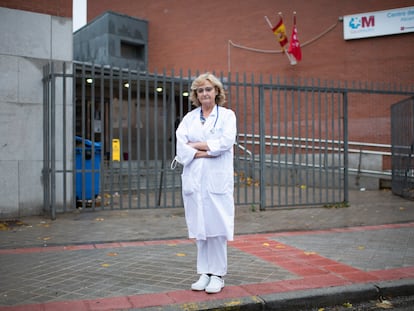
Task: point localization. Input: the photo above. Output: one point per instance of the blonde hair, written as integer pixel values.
(200, 80)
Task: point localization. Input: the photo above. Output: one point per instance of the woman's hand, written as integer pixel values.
(202, 154)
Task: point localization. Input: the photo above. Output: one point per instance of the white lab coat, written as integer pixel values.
(208, 183)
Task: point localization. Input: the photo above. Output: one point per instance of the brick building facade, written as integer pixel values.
(233, 36)
(186, 34)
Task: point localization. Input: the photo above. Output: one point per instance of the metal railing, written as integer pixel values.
(360, 148)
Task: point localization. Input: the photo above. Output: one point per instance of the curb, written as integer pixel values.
(304, 299)
(331, 296)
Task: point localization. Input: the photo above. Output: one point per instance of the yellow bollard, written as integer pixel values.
(116, 150)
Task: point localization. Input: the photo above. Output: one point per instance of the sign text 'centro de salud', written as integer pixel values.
(379, 23)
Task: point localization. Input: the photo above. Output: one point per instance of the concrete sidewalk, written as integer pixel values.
(295, 259)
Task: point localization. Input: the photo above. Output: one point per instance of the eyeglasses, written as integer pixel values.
(208, 89)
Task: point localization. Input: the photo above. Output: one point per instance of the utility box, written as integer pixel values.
(88, 166)
(116, 150)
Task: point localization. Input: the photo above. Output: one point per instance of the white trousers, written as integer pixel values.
(212, 256)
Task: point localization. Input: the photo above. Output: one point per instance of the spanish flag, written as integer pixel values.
(280, 32)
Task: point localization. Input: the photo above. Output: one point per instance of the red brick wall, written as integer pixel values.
(62, 8)
(194, 35)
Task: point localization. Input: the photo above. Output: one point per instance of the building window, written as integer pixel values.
(133, 51)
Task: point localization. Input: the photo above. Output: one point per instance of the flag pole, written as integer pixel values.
(268, 22)
(292, 62)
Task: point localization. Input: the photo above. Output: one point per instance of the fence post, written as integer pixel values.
(262, 147)
(346, 161)
(46, 160)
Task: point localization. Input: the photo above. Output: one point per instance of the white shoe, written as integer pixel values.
(202, 283)
(215, 286)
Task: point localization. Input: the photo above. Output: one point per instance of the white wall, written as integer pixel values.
(28, 42)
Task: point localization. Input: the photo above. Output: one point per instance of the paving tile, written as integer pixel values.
(121, 271)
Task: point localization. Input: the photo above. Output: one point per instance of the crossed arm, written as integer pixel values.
(201, 148)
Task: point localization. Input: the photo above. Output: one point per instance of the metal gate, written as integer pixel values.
(109, 139)
(402, 140)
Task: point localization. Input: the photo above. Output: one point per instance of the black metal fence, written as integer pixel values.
(402, 128)
(109, 138)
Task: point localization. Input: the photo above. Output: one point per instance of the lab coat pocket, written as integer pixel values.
(187, 184)
(217, 183)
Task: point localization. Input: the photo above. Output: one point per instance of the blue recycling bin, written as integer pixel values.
(88, 165)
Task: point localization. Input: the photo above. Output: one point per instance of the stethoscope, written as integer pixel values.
(203, 120)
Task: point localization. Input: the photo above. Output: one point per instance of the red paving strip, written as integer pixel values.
(393, 274)
(313, 271)
(304, 264)
(61, 306)
(149, 300)
(115, 303)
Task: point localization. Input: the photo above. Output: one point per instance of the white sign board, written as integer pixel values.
(379, 23)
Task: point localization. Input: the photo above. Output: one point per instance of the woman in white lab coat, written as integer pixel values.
(205, 139)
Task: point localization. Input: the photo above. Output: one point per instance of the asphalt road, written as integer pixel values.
(394, 304)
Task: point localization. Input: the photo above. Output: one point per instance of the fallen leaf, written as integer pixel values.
(266, 244)
(309, 253)
(105, 265)
(361, 247)
(385, 304)
(280, 246)
(230, 304)
(321, 309)
(112, 254)
(347, 305)
(181, 254)
(99, 219)
(402, 208)
(10, 224)
(47, 238)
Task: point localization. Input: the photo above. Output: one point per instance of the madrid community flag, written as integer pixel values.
(294, 46)
(280, 32)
